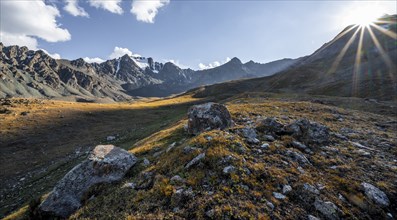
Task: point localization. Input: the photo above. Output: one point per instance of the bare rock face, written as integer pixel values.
(207, 117)
(310, 133)
(106, 164)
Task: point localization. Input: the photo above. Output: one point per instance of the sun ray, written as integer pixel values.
(336, 38)
(385, 31)
(342, 53)
(383, 53)
(385, 22)
(357, 62)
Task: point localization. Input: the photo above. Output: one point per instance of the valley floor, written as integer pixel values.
(363, 148)
(40, 140)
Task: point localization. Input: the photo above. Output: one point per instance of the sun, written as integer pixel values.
(363, 14)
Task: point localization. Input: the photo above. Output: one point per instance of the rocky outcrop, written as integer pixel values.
(310, 133)
(106, 164)
(207, 117)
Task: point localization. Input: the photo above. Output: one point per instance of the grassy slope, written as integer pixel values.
(269, 171)
(229, 198)
(43, 145)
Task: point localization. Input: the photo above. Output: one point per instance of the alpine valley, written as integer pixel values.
(131, 138)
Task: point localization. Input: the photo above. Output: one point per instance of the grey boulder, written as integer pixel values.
(105, 164)
(310, 133)
(375, 194)
(208, 116)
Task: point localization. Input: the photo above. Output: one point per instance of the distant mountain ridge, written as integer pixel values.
(27, 73)
(339, 68)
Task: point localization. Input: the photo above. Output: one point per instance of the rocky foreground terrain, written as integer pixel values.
(252, 158)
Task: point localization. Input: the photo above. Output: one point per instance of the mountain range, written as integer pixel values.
(28, 73)
(357, 62)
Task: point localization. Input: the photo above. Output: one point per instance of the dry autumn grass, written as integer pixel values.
(42, 139)
(228, 195)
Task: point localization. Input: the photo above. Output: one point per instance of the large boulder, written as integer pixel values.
(310, 133)
(106, 164)
(207, 117)
(271, 126)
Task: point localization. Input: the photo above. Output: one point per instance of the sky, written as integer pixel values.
(192, 34)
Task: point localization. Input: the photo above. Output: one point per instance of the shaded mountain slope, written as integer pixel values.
(335, 69)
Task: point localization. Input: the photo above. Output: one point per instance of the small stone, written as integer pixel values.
(269, 138)
(146, 162)
(210, 213)
(298, 157)
(110, 138)
(175, 180)
(157, 154)
(265, 146)
(195, 160)
(188, 149)
(341, 198)
(244, 187)
(340, 136)
(250, 135)
(270, 205)
(311, 217)
(301, 170)
(129, 185)
(299, 145)
(229, 169)
(287, 189)
(363, 153)
(278, 195)
(310, 188)
(328, 209)
(375, 194)
(170, 147)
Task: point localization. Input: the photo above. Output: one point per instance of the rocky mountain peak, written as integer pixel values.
(235, 60)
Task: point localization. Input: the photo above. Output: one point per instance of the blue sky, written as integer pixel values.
(187, 32)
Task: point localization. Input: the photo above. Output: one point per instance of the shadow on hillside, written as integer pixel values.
(36, 157)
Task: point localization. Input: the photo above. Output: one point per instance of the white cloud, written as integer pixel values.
(23, 21)
(74, 9)
(109, 5)
(20, 40)
(93, 60)
(214, 64)
(146, 10)
(53, 55)
(119, 52)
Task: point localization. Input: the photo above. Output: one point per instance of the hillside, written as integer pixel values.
(335, 69)
(250, 170)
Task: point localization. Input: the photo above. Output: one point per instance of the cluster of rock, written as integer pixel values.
(308, 136)
(109, 164)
